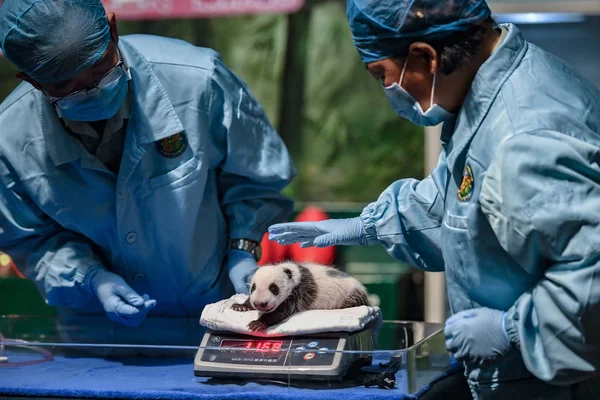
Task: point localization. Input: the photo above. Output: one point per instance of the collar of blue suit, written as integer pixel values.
(457, 134)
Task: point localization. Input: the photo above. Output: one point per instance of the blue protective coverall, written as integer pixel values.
(512, 215)
(164, 222)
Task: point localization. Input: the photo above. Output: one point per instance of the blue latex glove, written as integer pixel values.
(121, 303)
(241, 266)
(331, 232)
(477, 335)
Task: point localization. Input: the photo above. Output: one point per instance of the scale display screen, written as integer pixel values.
(235, 356)
(256, 345)
(270, 352)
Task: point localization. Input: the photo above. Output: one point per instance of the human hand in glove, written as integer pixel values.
(331, 232)
(121, 303)
(477, 335)
(241, 266)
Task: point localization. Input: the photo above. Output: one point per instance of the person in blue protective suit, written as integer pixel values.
(138, 174)
(512, 211)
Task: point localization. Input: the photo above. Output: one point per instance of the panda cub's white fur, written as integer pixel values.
(283, 289)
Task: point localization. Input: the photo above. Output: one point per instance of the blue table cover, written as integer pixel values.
(156, 378)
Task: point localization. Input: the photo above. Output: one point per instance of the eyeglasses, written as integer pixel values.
(109, 79)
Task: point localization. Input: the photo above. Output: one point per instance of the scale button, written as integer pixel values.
(299, 349)
(309, 356)
(314, 344)
(213, 357)
(322, 350)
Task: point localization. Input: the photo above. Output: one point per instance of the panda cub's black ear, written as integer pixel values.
(288, 273)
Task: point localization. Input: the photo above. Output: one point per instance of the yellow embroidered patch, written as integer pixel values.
(466, 188)
(172, 146)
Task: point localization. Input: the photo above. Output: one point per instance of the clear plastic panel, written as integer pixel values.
(406, 357)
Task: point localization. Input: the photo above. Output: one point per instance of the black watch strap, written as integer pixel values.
(250, 246)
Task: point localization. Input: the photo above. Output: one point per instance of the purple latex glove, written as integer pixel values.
(477, 335)
(241, 266)
(121, 303)
(331, 232)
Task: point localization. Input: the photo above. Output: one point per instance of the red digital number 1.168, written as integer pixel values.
(264, 346)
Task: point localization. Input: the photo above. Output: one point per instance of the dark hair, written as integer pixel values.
(458, 48)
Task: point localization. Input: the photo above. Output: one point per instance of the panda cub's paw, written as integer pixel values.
(257, 325)
(241, 307)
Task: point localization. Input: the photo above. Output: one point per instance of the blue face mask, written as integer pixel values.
(99, 103)
(407, 107)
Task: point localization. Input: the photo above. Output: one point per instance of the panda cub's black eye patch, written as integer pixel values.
(288, 273)
(274, 289)
(253, 288)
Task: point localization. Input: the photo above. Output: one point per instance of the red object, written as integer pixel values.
(160, 9)
(7, 263)
(258, 345)
(17, 272)
(272, 252)
(325, 255)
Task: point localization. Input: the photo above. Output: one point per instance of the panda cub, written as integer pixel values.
(281, 290)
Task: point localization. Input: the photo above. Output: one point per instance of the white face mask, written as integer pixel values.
(407, 107)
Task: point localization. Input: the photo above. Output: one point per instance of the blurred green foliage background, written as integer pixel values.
(347, 142)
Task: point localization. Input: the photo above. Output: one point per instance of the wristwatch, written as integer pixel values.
(250, 246)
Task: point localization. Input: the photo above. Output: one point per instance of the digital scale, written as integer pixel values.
(322, 356)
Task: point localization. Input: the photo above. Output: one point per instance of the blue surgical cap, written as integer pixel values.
(384, 28)
(53, 40)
